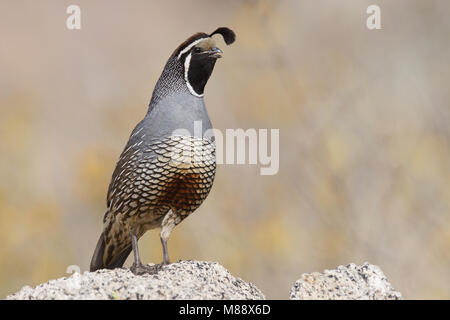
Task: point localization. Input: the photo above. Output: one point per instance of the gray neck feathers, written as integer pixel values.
(171, 81)
(172, 105)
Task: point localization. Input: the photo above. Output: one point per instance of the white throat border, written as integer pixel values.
(187, 62)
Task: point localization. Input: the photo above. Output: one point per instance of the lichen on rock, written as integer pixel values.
(181, 280)
(350, 282)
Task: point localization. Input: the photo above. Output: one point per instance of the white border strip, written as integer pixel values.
(186, 70)
(189, 47)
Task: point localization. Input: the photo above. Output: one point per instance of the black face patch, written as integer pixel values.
(201, 66)
(199, 54)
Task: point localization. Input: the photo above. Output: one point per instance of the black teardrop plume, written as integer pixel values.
(227, 34)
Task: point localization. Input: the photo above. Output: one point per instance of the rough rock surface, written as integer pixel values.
(209, 280)
(365, 282)
(181, 280)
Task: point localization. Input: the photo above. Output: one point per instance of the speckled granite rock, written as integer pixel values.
(181, 280)
(350, 282)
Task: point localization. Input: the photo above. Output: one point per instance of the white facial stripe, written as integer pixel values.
(189, 47)
(186, 71)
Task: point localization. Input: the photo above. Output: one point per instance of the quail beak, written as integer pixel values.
(215, 53)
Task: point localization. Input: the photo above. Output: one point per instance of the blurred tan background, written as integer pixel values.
(364, 119)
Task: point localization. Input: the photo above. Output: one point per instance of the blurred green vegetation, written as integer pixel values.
(364, 136)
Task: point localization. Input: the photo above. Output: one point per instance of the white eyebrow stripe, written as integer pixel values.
(189, 47)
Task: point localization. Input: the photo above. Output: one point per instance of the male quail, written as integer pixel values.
(166, 169)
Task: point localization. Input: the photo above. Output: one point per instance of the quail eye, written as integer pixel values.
(197, 50)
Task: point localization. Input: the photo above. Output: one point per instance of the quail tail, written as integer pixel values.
(97, 259)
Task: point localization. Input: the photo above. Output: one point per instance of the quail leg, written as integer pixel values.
(165, 252)
(138, 268)
(166, 260)
(167, 225)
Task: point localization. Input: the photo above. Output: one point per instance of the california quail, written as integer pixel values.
(167, 168)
